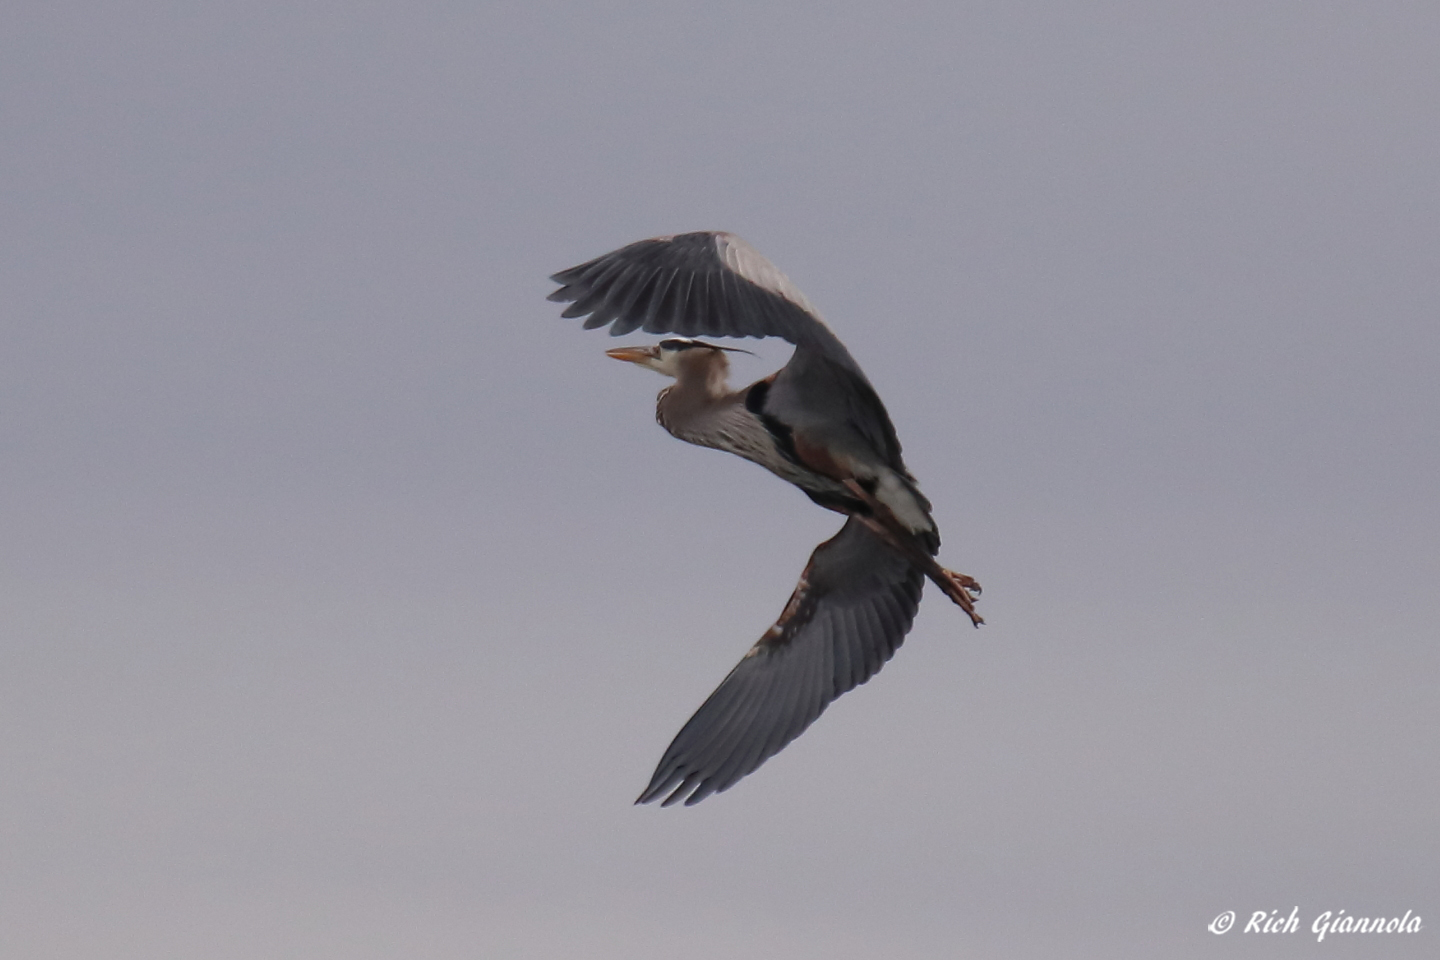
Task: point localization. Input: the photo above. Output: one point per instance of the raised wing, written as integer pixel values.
(694, 284)
(848, 615)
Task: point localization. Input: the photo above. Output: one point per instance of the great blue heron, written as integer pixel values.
(817, 423)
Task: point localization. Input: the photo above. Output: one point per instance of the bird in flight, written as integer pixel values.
(815, 422)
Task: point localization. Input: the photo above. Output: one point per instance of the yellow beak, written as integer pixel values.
(640, 355)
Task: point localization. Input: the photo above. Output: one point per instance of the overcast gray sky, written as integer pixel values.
(350, 595)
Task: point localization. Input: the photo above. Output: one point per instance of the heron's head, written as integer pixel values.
(680, 357)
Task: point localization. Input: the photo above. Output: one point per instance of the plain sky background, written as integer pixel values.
(350, 595)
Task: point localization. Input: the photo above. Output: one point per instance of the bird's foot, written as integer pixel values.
(966, 582)
(964, 590)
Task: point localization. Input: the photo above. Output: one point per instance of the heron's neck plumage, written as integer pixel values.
(694, 407)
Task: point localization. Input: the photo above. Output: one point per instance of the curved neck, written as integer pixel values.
(701, 388)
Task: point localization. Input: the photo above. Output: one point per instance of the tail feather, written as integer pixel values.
(910, 507)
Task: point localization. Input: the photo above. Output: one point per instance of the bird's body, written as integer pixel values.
(816, 423)
(700, 408)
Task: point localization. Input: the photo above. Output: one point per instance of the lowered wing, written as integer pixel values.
(849, 614)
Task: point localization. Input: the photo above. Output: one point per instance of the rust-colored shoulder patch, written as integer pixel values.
(798, 611)
(816, 457)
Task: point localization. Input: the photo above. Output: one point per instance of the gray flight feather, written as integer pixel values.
(849, 615)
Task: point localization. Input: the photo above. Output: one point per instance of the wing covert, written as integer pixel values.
(848, 615)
